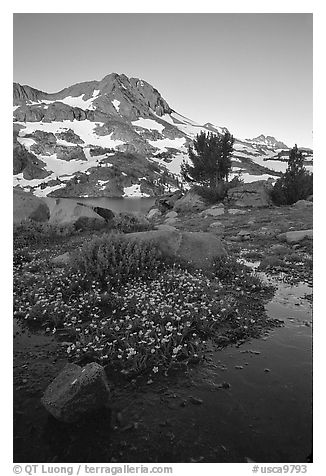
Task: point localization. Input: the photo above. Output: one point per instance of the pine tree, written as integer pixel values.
(210, 157)
(296, 183)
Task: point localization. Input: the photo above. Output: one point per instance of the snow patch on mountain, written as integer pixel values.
(45, 191)
(148, 124)
(78, 101)
(134, 191)
(174, 165)
(185, 125)
(275, 165)
(64, 167)
(163, 144)
(116, 104)
(248, 178)
(26, 142)
(84, 129)
(36, 184)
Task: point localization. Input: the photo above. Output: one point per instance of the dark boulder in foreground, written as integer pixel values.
(76, 391)
(198, 248)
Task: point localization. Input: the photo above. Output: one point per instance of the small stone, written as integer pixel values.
(236, 211)
(214, 212)
(170, 221)
(238, 367)
(153, 213)
(61, 260)
(267, 370)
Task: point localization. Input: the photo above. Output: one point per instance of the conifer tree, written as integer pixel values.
(210, 159)
(296, 183)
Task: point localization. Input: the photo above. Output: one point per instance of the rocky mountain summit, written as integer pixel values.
(268, 141)
(115, 137)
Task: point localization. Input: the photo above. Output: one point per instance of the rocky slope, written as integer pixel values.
(115, 137)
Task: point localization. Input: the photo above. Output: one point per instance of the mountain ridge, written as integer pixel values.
(119, 129)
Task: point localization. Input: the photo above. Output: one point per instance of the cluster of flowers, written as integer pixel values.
(148, 324)
(52, 295)
(153, 324)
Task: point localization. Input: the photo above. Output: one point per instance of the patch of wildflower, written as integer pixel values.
(155, 323)
(144, 315)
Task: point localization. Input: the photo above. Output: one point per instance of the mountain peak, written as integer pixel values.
(268, 141)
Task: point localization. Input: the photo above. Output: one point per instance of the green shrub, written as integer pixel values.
(211, 194)
(219, 192)
(232, 272)
(29, 233)
(129, 223)
(288, 190)
(112, 259)
(87, 224)
(235, 182)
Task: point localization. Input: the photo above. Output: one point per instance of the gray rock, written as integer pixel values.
(217, 227)
(65, 211)
(280, 249)
(170, 221)
(171, 214)
(167, 202)
(236, 211)
(61, 260)
(165, 227)
(153, 213)
(254, 194)
(213, 212)
(198, 248)
(244, 235)
(105, 213)
(296, 236)
(191, 202)
(76, 391)
(303, 204)
(27, 206)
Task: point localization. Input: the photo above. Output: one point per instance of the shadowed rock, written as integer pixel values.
(76, 391)
(191, 202)
(254, 194)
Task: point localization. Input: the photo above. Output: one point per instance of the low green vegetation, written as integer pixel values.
(30, 232)
(131, 308)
